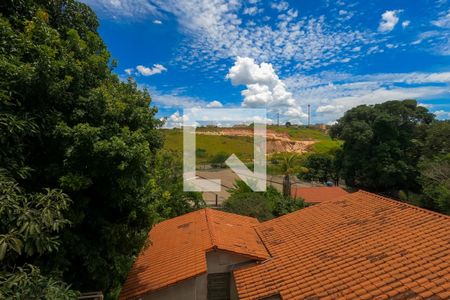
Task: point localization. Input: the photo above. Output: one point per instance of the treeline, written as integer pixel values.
(82, 176)
(396, 148)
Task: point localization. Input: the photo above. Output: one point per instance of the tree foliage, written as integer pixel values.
(435, 180)
(261, 205)
(435, 168)
(27, 282)
(319, 167)
(79, 146)
(382, 144)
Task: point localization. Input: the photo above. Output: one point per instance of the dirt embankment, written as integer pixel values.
(276, 141)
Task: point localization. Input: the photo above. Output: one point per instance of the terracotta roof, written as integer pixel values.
(360, 246)
(177, 248)
(318, 194)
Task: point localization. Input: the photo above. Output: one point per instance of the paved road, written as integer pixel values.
(228, 178)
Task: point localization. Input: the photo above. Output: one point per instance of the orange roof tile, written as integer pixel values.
(177, 248)
(318, 194)
(360, 246)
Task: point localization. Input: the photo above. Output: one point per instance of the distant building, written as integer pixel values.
(321, 126)
(319, 194)
(357, 246)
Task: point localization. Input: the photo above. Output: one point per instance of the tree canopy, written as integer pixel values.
(80, 171)
(261, 205)
(382, 144)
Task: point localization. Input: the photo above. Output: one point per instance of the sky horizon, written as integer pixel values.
(281, 55)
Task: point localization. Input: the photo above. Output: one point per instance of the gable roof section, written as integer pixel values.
(178, 247)
(319, 194)
(360, 246)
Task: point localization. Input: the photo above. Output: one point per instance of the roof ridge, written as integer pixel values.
(255, 228)
(212, 235)
(431, 212)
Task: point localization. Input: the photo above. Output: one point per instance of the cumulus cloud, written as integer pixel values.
(129, 71)
(406, 23)
(157, 22)
(175, 120)
(388, 20)
(214, 104)
(147, 71)
(263, 86)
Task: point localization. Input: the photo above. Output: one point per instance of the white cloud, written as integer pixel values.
(331, 94)
(261, 80)
(136, 9)
(175, 120)
(157, 22)
(329, 108)
(214, 104)
(280, 6)
(251, 11)
(441, 114)
(388, 20)
(345, 15)
(129, 71)
(173, 99)
(263, 87)
(295, 112)
(406, 23)
(146, 71)
(217, 31)
(443, 21)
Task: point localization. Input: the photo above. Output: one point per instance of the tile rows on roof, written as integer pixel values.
(360, 246)
(318, 194)
(177, 248)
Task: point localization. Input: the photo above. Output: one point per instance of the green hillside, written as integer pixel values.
(209, 146)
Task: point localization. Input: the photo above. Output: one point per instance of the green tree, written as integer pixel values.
(249, 204)
(261, 205)
(435, 180)
(437, 142)
(288, 167)
(67, 123)
(319, 167)
(434, 168)
(29, 227)
(382, 144)
(166, 186)
(219, 159)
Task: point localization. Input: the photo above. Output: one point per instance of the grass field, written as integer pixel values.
(210, 145)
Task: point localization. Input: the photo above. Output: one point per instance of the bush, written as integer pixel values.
(249, 204)
(219, 159)
(261, 205)
(200, 153)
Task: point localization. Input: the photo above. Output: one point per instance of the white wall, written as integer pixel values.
(191, 289)
(196, 288)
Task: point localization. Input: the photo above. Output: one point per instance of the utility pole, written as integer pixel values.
(309, 115)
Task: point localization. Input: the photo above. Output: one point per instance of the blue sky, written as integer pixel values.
(281, 55)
